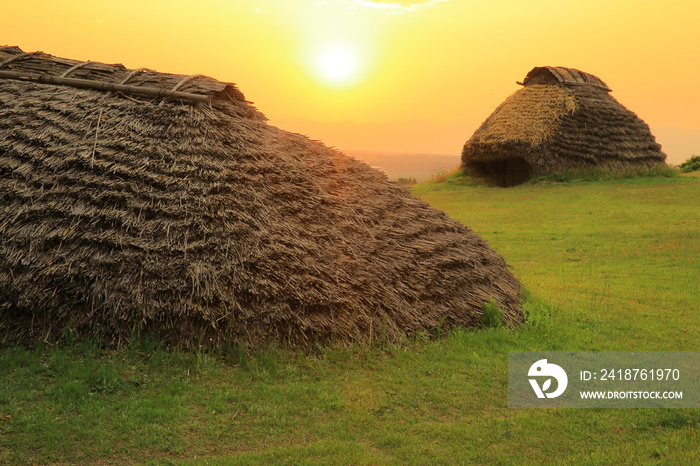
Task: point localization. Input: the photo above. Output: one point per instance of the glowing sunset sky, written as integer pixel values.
(448, 63)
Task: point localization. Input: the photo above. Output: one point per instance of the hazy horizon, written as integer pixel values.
(429, 138)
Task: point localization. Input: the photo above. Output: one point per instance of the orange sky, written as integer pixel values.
(377, 63)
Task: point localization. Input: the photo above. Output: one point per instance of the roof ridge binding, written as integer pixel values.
(105, 86)
(43, 68)
(567, 76)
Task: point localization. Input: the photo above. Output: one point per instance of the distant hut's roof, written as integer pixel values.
(562, 118)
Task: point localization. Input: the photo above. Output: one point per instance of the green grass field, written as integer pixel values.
(609, 265)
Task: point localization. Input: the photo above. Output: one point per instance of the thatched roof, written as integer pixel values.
(559, 74)
(562, 118)
(200, 223)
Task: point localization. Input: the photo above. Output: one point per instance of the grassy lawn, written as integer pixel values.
(611, 265)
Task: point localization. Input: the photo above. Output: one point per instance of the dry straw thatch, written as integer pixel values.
(200, 223)
(562, 118)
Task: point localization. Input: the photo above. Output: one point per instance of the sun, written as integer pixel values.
(337, 64)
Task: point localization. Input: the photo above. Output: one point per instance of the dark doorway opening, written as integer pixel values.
(501, 172)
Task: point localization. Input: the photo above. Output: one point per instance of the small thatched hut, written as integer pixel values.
(561, 119)
(135, 201)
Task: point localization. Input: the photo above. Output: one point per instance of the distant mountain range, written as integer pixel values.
(420, 149)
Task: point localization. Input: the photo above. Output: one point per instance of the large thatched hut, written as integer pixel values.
(135, 201)
(562, 118)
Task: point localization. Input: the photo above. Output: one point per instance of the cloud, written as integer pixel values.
(391, 6)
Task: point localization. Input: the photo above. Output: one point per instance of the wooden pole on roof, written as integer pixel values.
(104, 86)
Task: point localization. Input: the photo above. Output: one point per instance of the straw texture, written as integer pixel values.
(552, 125)
(202, 224)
